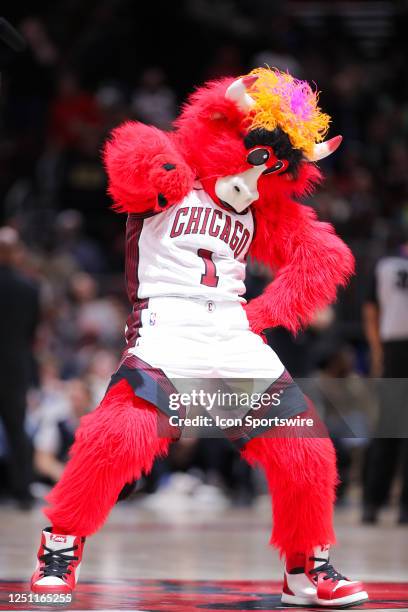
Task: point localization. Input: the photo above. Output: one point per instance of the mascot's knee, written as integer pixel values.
(308, 460)
(99, 438)
(294, 462)
(313, 464)
(123, 430)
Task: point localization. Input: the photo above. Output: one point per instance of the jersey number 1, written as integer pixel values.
(209, 278)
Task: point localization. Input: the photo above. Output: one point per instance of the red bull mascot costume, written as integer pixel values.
(201, 199)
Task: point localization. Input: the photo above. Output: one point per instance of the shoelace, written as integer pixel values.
(327, 569)
(56, 562)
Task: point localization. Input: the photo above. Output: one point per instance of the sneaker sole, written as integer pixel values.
(45, 589)
(342, 602)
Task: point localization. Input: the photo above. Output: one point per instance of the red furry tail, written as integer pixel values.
(113, 446)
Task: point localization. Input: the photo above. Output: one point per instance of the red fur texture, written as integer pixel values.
(113, 446)
(209, 132)
(302, 476)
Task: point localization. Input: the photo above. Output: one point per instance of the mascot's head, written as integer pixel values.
(257, 134)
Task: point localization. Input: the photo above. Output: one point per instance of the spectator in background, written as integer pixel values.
(19, 317)
(71, 111)
(227, 61)
(97, 318)
(386, 326)
(278, 59)
(73, 242)
(98, 373)
(29, 83)
(73, 162)
(346, 405)
(85, 322)
(56, 429)
(154, 102)
(113, 105)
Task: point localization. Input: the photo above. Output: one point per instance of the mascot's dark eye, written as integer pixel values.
(257, 157)
(278, 166)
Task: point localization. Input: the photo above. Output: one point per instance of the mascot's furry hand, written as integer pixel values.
(146, 172)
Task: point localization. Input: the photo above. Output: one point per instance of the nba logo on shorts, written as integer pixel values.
(152, 320)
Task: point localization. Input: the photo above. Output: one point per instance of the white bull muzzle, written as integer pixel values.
(240, 190)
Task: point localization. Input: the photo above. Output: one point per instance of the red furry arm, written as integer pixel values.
(312, 261)
(145, 170)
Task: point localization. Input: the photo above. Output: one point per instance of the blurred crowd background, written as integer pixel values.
(90, 65)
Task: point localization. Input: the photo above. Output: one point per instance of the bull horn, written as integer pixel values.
(324, 149)
(237, 92)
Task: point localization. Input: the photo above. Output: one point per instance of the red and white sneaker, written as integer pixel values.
(311, 580)
(59, 560)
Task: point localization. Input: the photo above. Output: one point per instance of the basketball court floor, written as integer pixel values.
(149, 559)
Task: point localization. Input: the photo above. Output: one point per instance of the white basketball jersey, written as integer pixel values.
(391, 280)
(194, 249)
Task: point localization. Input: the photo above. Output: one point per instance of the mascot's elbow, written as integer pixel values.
(318, 289)
(322, 254)
(349, 263)
(340, 262)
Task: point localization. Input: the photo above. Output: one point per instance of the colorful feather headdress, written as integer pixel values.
(272, 98)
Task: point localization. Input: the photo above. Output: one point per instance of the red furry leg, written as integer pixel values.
(114, 445)
(302, 476)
